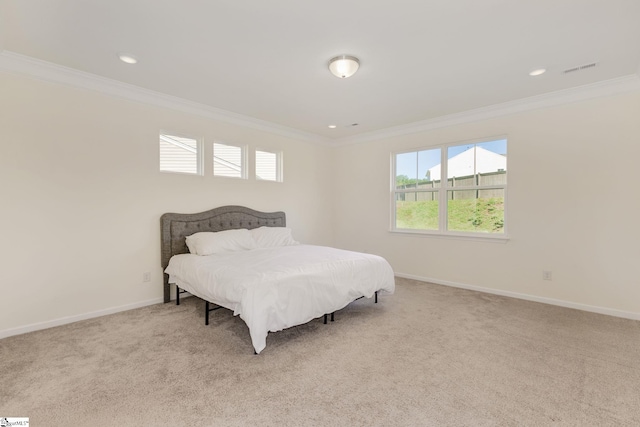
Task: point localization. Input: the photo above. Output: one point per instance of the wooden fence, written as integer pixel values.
(428, 190)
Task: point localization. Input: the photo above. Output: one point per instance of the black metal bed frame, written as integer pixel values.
(208, 309)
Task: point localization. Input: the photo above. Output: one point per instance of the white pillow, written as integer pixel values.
(269, 237)
(209, 243)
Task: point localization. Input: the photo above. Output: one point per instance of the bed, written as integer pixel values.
(271, 287)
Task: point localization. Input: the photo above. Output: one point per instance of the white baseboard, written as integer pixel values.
(584, 307)
(544, 300)
(70, 319)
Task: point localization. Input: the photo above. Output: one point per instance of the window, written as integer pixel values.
(268, 166)
(229, 160)
(470, 201)
(180, 154)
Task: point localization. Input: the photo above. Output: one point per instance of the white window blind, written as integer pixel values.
(268, 166)
(228, 160)
(179, 154)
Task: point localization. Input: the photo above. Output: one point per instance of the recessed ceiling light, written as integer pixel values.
(127, 58)
(332, 126)
(537, 72)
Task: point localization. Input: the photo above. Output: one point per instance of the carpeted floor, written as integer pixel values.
(427, 356)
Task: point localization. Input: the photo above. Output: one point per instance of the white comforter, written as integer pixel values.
(276, 288)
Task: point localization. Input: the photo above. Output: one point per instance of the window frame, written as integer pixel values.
(279, 165)
(442, 192)
(199, 153)
(243, 159)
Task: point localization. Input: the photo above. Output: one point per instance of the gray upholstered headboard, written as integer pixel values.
(176, 227)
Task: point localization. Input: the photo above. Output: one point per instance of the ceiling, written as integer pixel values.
(267, 60)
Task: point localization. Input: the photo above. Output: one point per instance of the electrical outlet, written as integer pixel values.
(546, 275)
(146, 276)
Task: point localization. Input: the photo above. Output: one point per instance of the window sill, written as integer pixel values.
(455, 236)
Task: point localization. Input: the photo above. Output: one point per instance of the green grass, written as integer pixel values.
(422, 215)
(476, 215)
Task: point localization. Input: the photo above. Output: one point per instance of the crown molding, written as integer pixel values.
(14, 63)
(615, 86)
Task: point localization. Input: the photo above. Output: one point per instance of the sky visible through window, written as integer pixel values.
(426, 159)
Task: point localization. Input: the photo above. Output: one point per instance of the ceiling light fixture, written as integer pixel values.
(344, 66)
(332, 126)
(537, 72)
(127, 58)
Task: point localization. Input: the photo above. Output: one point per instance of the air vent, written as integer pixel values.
(580, 68)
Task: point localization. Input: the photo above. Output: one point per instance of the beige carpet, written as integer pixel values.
(427, 356)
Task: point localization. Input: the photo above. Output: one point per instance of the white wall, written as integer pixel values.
(82, 197)
(573, 207)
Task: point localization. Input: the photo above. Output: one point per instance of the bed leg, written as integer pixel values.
(206, 313)
(177, 295)
(325, 319)
(332, 315)
(376, 297)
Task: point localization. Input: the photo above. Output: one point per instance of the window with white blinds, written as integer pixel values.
(180, 154)
(268, 166)
(229, 160)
